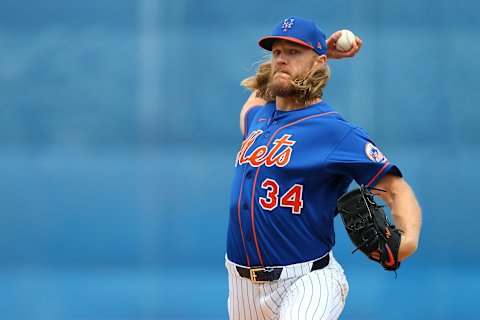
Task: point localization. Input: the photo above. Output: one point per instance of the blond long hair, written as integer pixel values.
(309, 88)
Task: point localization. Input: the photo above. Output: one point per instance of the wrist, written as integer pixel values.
(408, 247)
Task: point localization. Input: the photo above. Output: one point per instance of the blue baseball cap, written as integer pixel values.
(299, 30)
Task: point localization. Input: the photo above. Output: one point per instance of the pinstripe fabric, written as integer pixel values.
(298, 295)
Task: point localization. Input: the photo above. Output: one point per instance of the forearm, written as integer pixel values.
(405, 210)
(406, 214)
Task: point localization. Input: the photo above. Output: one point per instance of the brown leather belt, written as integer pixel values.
(262, 275)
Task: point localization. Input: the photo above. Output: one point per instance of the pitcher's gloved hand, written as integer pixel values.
(368, 227)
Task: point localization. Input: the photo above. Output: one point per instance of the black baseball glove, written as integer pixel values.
(368, 227)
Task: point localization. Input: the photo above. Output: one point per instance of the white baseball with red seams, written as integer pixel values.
(346, 40)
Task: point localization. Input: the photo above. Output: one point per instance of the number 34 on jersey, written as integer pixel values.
(292, 198)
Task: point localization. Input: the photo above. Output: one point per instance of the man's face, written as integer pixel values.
(290, 61)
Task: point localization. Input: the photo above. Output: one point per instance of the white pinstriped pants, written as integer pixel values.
(298, 295)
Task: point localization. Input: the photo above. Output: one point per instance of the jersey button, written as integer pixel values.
(249, 175)
(245, 206)
(267, 134)
(274, 122)
(248, 238)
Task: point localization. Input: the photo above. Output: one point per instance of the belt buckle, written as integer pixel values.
(253, 275)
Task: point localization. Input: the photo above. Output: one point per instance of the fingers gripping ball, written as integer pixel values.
(345, 42)
(368, 227)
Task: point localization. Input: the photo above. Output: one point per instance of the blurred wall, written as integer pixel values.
(119, 126)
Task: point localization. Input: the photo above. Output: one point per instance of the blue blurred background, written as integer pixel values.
(119, 126)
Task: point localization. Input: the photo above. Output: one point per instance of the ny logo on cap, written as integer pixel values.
(287, 24)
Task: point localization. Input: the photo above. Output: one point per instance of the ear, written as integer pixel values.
(320, 60)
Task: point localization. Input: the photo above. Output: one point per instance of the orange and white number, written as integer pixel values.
(290, 199)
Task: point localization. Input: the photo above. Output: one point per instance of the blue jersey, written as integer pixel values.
(290, 169)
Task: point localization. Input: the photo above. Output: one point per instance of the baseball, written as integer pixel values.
(344, 43)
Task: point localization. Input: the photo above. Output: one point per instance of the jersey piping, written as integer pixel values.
(378, 173)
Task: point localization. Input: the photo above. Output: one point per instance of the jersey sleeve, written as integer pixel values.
(358, 157)
(249, 118)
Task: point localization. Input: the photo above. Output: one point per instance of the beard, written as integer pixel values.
(281, 88)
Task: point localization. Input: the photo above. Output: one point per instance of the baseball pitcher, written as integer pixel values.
(292, 171)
